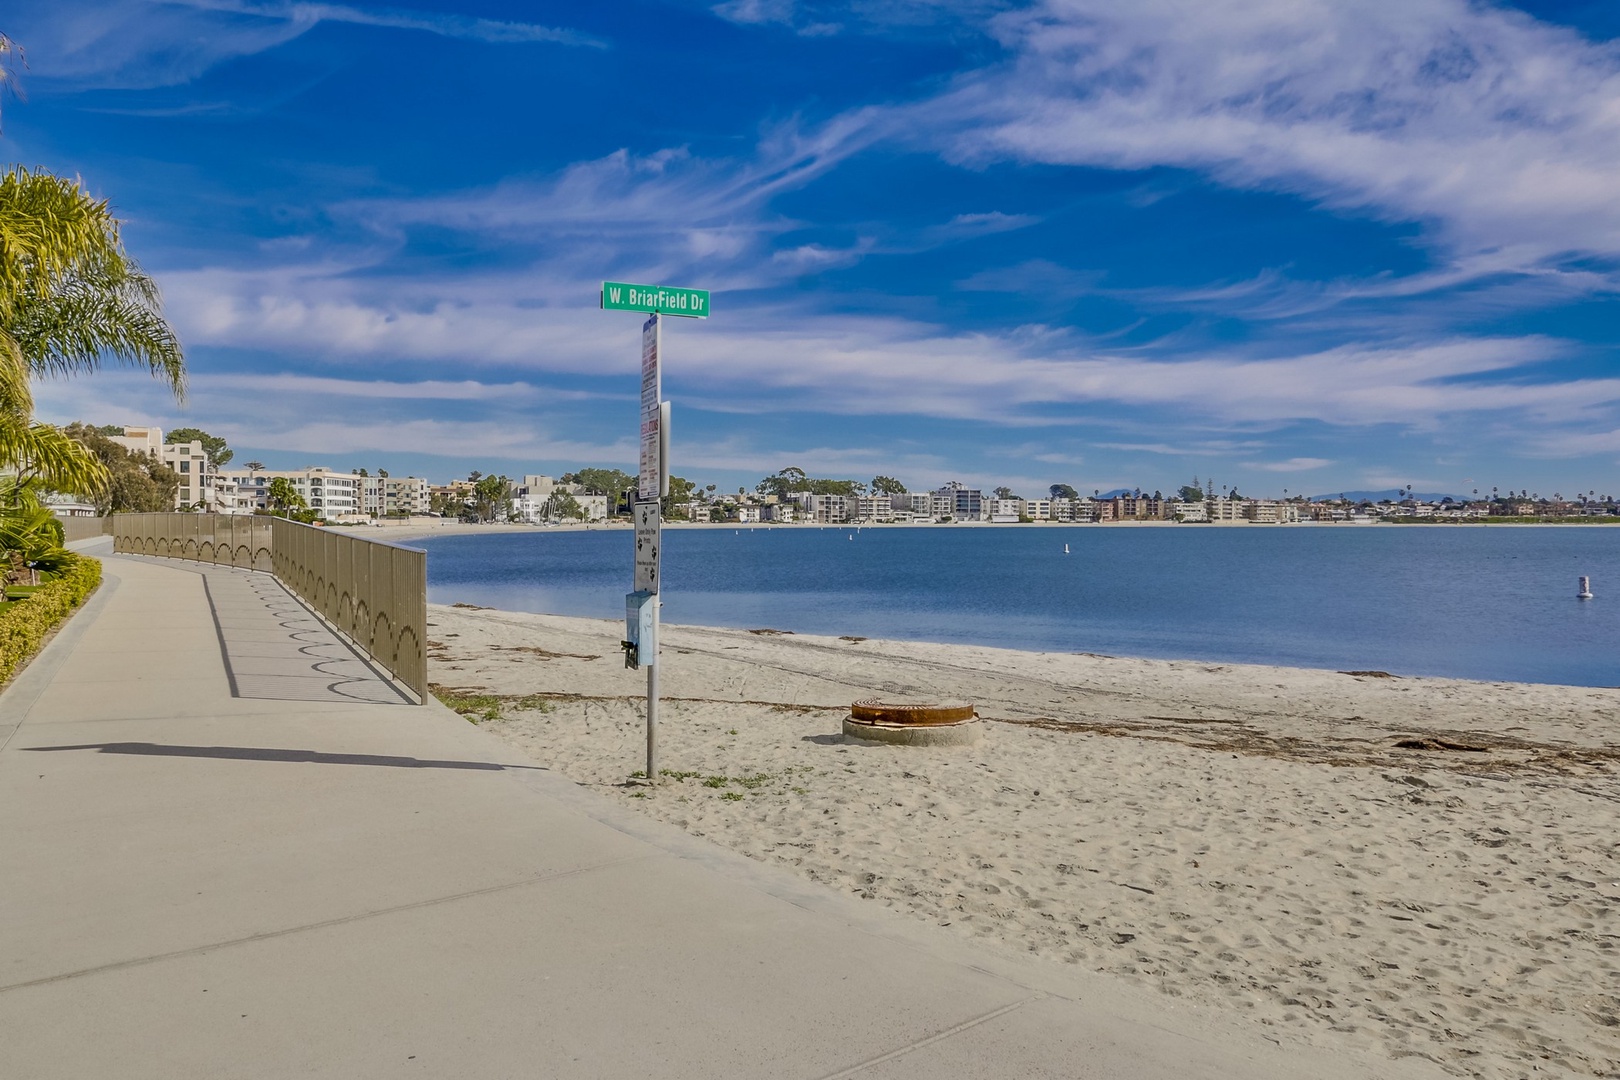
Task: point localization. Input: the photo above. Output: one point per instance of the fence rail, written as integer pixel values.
(375, 593)
(85, 528)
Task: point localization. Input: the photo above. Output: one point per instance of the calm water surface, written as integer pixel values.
(1477, 603)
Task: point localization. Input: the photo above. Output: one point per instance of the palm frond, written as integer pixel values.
(109, 312)
(48, 226)
(47, 454)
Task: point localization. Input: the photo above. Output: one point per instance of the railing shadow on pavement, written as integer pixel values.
(374, 593)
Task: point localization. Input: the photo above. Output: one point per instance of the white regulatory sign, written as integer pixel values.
(647, 544)
(651, 466)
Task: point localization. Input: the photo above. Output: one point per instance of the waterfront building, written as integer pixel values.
(382, 496)
(331, 494)
(1191, 511)
(873, 508)
(202, 486)
(1003, 511)
(825, 509)
(959, 503)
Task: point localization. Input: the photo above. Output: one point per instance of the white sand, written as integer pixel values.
(1232, 834)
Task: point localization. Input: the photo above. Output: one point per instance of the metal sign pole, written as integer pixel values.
(652, 485)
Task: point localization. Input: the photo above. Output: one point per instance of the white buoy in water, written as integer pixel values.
(1586, 589)
(1065, 549)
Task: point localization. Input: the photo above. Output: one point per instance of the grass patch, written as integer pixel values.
(480, 706)
(733, 796)
(675, 775)
(475, 707)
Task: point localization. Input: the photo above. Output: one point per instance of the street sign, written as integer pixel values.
(659, 299)
(648, 542)
(651, 469)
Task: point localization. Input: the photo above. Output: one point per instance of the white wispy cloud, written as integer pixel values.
(1298, 464)
(1497, 132)
(864, 364)
(137, 44)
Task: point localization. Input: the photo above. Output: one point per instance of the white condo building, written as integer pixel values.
(202, 486)
(329, 493)
(381, 496)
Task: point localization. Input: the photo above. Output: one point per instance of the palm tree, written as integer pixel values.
(69, 294)
(69, 297)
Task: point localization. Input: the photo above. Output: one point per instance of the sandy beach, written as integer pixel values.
(1410, 866)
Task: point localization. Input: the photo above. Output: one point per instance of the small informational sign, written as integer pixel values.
(651, 469)
(648, 542)
(660, 299)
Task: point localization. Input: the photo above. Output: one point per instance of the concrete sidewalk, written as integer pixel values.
(229, 849)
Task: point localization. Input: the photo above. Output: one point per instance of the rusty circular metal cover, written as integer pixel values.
(872, 711)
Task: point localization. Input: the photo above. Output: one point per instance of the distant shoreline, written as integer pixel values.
(421, 531)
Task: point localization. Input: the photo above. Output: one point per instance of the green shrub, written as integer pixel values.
(25, 623)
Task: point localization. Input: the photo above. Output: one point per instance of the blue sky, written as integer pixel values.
(1311, 245)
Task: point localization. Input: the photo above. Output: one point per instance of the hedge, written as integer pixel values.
(25, 624)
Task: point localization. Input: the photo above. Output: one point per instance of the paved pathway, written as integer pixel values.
(228, 849)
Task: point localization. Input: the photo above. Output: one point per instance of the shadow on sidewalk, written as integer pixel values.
(261, 753)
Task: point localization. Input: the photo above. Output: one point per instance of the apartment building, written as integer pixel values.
(873, 508)
(958, 503)
(824, 509)
(202, 486)
(913, 504)
(381, 496)
(330, 493)
(1006, 510)
(1267, 512)
(535, 486)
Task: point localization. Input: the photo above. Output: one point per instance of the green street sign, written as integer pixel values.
(620, 296)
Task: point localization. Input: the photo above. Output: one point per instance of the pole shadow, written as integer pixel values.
(299, 757)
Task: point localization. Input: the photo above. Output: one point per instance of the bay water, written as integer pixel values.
(1492, 603)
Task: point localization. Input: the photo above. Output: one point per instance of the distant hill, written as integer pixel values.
(1390, 493)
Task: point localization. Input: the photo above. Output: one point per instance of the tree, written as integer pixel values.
(1191, 492)
(680, 493)
(784, 481)
(1004, 493)
(492, 498)
(218, 453)
(283, 496)
(563, 505)
(1063, 491)
(255, 466)
(617, 485)
(70, 296)
(887, 485)
(135, 483)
